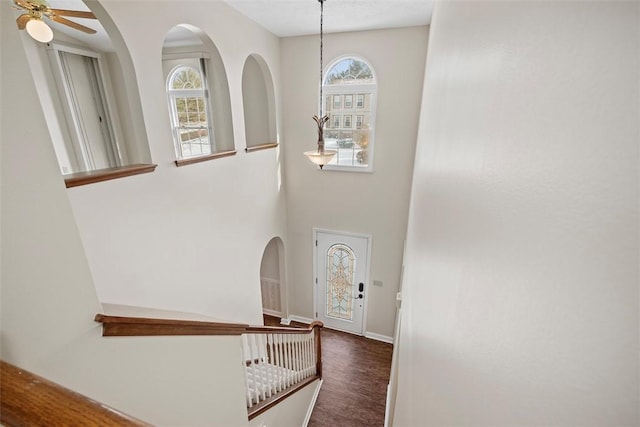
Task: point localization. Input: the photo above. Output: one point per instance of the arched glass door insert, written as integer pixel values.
(340, 277)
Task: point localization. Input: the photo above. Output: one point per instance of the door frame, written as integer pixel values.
(367, 272)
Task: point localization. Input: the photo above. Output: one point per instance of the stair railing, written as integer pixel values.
(279, 361)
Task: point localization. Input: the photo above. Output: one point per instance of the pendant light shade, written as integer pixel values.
(39, 31)
(320, 156)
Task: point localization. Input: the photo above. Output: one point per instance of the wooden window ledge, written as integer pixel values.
(89, 177)
(261, 147)
(192, 160)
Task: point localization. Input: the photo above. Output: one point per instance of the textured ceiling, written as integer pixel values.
(287, 18)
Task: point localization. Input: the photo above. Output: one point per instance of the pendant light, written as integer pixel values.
(320, 156)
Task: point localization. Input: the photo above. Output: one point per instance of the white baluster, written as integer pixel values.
(260, 366)
(270, 359)
(296, 340)
(277, 361)
(312, 343)
(307, 355)
(245, 368)
(290, 379)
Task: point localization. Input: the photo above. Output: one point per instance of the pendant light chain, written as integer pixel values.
(321, 48)
(321, 156)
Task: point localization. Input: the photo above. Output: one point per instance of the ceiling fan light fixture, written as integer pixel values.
(39, 31)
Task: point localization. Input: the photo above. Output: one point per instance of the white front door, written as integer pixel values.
(341, 280)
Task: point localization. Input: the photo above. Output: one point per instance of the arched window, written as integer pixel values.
(350, 90)
(190, 115)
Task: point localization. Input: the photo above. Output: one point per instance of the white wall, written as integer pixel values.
(188, 238)
(48, 298)
(375, 203)
(521, 292)
(291, 412)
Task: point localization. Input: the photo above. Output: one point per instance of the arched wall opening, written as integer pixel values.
(258, 102)
(80, 143)
(185, 44)
(272, 279)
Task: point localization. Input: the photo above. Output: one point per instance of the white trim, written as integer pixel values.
(70, 48)
(369, 238)
(105, 101)
(378, 337)
(387, 405)
(299, 319)
(185, 55)
(312, 404)
(285, 322)
(271, 312)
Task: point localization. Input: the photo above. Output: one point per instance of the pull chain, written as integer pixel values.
(321, 48)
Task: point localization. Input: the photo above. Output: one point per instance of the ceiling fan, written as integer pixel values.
(36, 10)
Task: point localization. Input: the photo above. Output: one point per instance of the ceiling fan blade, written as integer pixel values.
(72, 24)
(72, 13)
(22, 21)
(23, 4)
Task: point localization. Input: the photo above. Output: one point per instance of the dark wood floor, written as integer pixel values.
(355, 373)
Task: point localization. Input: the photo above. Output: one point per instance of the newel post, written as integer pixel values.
(317, 327)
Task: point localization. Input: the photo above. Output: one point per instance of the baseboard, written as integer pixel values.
(271, 312)
(379, 337)
(307, 321)
(300, 319)
(312, 404)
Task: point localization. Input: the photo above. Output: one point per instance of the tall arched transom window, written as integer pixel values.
(350, 88)
(190, 115)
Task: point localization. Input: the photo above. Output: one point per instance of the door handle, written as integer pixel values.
(360, 287)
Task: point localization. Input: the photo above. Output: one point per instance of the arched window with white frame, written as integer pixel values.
(350, 89)
(190, 109)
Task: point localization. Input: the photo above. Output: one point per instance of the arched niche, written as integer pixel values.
(259, 103)
(121, 115)
(185, 45)
(272, 279)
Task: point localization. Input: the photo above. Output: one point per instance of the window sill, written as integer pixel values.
(90, 177)
(192, 160)
(347, 168)
(261, 147)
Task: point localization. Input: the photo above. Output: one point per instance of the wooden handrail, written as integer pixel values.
(27, 399)
(124, 326)
(127, 326)
(283, 329)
